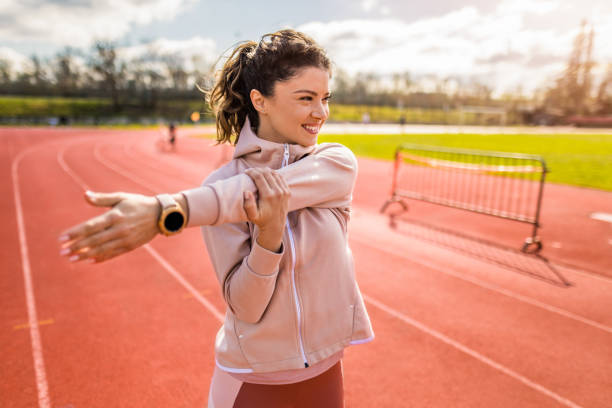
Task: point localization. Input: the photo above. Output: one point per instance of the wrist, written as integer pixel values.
(270, 240)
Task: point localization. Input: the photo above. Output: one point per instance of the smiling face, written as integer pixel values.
(297, 108)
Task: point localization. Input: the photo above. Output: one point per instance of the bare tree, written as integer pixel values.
(604, 94)
(66, 73)
(5, 73)
(176, 72)
(112, 71)
(572, 91)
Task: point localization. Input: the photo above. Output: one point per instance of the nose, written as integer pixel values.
(320, 112)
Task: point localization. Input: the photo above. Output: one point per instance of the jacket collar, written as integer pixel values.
(262, 152)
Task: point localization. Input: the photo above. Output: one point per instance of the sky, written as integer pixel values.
(509, 45)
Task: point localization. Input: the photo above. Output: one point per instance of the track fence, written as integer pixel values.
(505, 185)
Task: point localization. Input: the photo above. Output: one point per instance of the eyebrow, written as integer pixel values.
(309, 92)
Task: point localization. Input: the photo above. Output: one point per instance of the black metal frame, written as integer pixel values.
(532, 244)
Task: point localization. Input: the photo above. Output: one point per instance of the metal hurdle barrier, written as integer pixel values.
(505, 185)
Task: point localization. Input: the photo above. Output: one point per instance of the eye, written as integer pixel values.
(326, 99)
(306, 98)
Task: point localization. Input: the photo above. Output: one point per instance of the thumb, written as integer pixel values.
(250, 207)
(103, 199)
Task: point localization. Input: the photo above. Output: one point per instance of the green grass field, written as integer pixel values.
(580, 160)
(75, 108)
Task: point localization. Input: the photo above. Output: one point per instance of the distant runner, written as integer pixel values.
(172, 136)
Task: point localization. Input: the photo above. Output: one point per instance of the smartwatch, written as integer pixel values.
(172, 218)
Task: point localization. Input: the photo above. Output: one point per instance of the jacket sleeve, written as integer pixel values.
(246, 271)
(325, 179)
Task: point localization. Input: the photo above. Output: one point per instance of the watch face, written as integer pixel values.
(174, 221)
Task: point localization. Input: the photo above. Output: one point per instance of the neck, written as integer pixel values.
(266, 131)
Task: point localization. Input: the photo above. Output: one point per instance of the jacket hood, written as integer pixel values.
(261, 151)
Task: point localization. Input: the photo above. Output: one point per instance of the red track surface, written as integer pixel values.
(138, 331)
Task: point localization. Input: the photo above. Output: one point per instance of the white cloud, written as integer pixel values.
(368, 5)
(77, 23)
(527, 6)
(496, 48)
(192, 53)
(18, 62)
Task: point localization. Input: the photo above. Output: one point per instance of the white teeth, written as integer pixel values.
(312, 129)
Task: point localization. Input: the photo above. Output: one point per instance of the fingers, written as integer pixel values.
(259, 178)
(250, 206)
(90, 227)
(96, 240)
(282, 183)
(103, 252)
(103, 199)
(268, 182)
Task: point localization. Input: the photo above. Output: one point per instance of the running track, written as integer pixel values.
(138, 331)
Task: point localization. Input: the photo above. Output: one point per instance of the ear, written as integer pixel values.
(258, 101)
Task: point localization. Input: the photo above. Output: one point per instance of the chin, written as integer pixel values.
(309, 142)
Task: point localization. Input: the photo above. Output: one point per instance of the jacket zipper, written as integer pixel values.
(295, 296)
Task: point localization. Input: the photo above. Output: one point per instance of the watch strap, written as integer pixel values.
(166, 201)
(169, 208)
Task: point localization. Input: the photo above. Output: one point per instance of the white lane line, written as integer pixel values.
(147, 162)
(490, 286)
(37, 353)
(122, 172)
(68, 170)
(470, 352)
(205, 302)
(601, 216)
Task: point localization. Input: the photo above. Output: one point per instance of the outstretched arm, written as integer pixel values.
(325, 179)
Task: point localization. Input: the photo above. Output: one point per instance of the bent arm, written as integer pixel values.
(325, 179)
(246, 271)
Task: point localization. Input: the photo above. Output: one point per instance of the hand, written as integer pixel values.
(269, 213)
(130, 223)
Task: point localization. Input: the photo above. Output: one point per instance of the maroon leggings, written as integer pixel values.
(322, 391)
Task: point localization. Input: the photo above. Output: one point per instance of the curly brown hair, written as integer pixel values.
(277, 57)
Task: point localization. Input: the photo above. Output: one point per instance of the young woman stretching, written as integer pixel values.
(274, 220)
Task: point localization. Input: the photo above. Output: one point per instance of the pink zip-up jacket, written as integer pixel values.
(292, 309)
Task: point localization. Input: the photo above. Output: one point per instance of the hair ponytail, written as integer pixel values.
(229, 97)
(253, 65)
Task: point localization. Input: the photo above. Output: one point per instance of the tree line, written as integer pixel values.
(146, 81)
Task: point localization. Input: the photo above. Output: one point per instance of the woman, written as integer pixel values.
(274, 220)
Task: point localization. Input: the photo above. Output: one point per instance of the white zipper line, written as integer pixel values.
(295, 294)
(470, 352)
